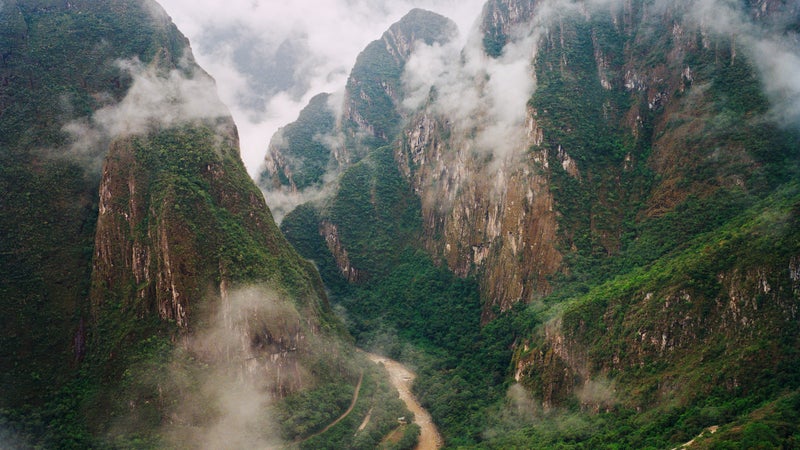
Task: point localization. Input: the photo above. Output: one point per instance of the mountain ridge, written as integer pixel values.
(147, 288)
(650, 144)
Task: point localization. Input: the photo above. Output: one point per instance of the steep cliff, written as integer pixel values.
(372, 115)
(327, 138)
(299, 154)
(600, 150)
(49, 89)
(484, 217)
(142, 273)
(628, 170)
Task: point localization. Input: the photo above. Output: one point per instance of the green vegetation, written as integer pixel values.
(304, 144)
(408, 308)
(86, 361)
(582, 120)
(304, 415)
(49, 209)
(635, 274)
(376, 212)
(675, 303)
(636, 237)
(665, 399)
(374, 86)
(375, 74)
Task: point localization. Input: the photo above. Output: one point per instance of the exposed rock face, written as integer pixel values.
(53, 77)
(500, 20)
(627, 127)
(676, 96)
(133, 216)
(371, 110)
(511, 221)
(672, 327)
(307, 155)
(497, 223)
(161, 249)
(374, 90)
(330, 233)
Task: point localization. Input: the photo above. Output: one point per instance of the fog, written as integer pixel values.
(775, 54)
(269, 57)
(155, 99)
(476, 92)
(228, 402)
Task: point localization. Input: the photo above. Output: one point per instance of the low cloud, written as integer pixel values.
(219, 386)
(284, 200)
(329, 35)
(156, 98)
(598, 394)
(251, 336)
(522, 405)
(480, 96)
(486, 97)
(778, 63)
(774, 52)
(159, 99)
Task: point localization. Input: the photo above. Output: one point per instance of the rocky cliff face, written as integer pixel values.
(124, 177)
(179, 225)
(306, 156)
(631, 193)
(498, 223)
(51, 158)
(660, 99)
(499, 220)
(674, 336)
(374, 90)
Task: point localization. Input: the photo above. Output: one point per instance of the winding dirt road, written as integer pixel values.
(342, 417)
(429, 438)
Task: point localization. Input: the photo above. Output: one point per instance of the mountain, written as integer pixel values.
(149, 298)
(303, 156)
(582, 226)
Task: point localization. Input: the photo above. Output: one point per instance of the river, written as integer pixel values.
(429, 438)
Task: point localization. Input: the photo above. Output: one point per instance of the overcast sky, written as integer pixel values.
(270, 57)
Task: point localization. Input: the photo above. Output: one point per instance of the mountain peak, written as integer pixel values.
(418, 25)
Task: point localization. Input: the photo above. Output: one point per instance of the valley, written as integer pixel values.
(578, 221)
(402, 378)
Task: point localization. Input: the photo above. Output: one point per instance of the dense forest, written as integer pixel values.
(579, 227)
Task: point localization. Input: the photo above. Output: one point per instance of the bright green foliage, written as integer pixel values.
(610, 317)
(374, 68)
(774, 425)
(216, 209)
(298, 228)
(376, 212)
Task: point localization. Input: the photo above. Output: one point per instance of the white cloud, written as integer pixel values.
(476, 92)
(155, 98)
(333, 31)
(158, 98)
(284, 200)
(775, 55)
